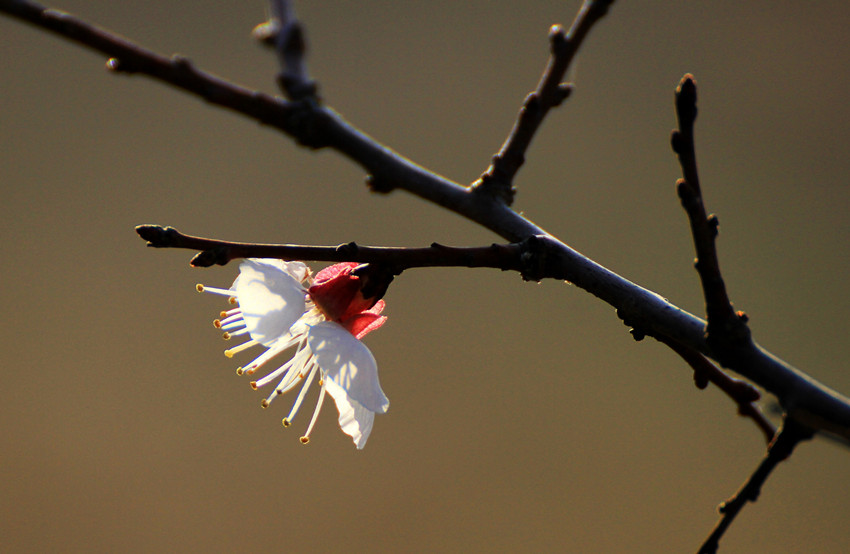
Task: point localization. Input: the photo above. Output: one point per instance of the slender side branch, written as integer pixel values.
(742, 393)
(286, 34)
(497, 180)
(727, 329)
(507, 257)
(791, 434)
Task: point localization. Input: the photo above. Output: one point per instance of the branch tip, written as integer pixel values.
(557, 36)
(686, 100)
(157, 236)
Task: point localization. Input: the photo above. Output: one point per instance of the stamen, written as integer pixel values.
(236, 349)
(273, 351)
(273, 375)
(265, 403)
(230, 334)
(253, 385)
(295, 368)
(306, 438)
(286, 422)
(302, 393)
(240, 371)
(234, 320)
(225, 292)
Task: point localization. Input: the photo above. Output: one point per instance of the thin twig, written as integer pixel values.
(507, 257)
(726, 329)
(497, 180)
(742, 393)
(788, 437)
(286, 34)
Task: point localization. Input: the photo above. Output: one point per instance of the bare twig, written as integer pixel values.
(497, 180)
(286, 34)
(744, 394)
(727, 329)
(507, 257)
(791, 434)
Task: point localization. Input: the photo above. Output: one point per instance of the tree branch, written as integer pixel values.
(791, 434)
(497, 180)
(286, 35)
(742, 393)
(727, 329)
(507, 257)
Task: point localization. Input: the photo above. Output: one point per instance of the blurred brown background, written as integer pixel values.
(524, 417)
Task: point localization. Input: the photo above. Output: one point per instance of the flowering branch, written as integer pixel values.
(507, 257)
(725, 337)
(313, 126)
(497, 180)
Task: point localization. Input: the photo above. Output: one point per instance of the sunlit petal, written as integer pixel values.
(271, 299)
(348, 363)
(354, 419)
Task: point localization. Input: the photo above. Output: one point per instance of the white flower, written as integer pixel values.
(323, 322)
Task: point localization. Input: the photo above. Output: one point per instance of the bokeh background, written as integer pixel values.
(524, 417)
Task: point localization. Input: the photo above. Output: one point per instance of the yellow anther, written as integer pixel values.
(199, 287)
(286, 422)
(239, 371)
(264, 403)
(225, 335)
(254, 386)
(305, 439)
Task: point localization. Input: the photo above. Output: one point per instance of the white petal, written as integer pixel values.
(348, 363)
(270, 298)
(354, 420)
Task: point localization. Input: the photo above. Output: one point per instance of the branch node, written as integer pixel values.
(564, 91)
(348, 249)
(490, 184)
(557, 37)
(714, 225)
(181, 63)
(533, 258)
(213, 256)
(379, 185)
(117, 66)
(676, 141)
(376, 280)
